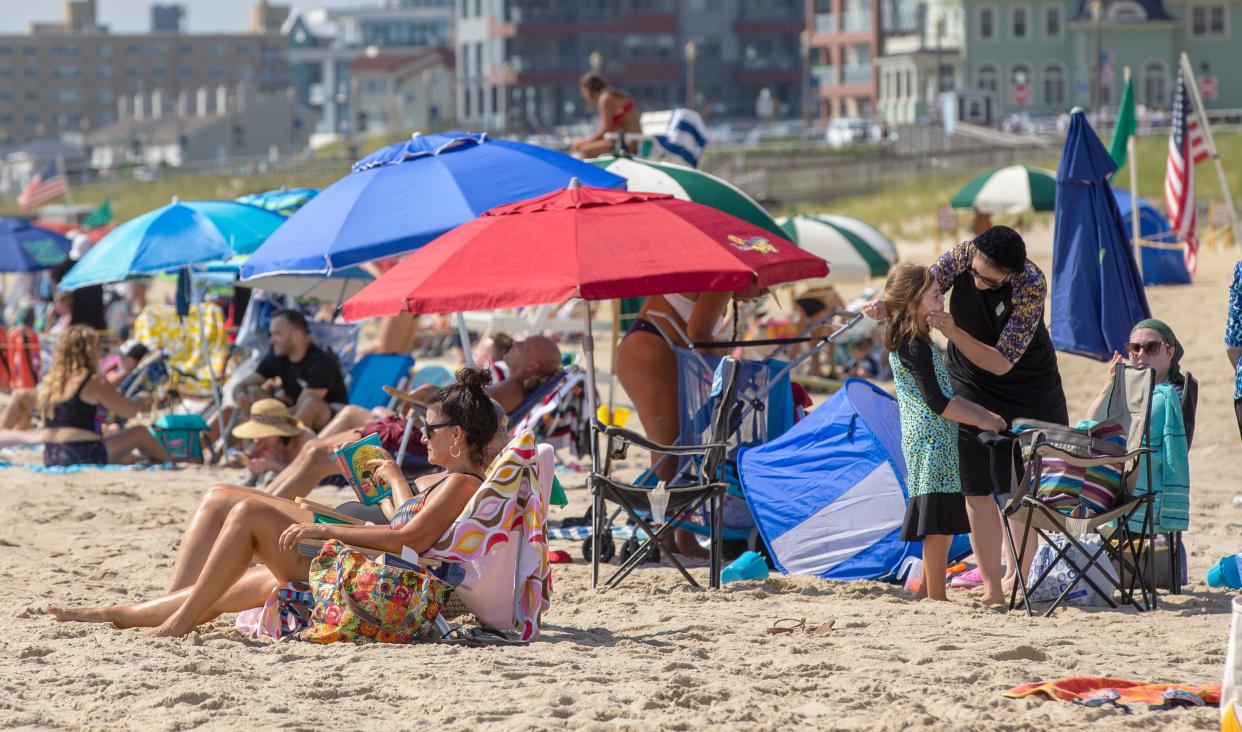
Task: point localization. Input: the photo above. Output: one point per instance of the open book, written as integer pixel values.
(352, 461)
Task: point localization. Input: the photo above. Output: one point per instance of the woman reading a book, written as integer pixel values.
(265, 529)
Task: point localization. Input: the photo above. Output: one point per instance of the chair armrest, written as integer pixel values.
(1045, 450)
(311, 548)
(403, 395)
(330, 512)
(634, 438)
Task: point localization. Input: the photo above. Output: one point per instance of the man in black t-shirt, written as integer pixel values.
(298, 372)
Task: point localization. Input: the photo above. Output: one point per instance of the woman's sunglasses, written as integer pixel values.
(1151, 348)
(429, 428)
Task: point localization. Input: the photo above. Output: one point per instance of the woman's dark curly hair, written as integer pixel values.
(468, 406)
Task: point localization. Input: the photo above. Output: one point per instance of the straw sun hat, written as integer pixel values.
(268, 418)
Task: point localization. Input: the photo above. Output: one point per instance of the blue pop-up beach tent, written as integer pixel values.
(829, 495)
(1097, 293)
(1163, 260)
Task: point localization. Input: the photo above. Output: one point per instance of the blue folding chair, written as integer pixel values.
(372, 373)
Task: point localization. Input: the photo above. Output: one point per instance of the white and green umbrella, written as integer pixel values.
(689, 184)
(855, 250)
(1012, 190)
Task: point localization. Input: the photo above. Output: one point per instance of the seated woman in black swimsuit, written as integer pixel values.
(69, 400)
(266, 529)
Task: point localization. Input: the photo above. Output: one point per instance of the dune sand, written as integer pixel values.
(654, 654)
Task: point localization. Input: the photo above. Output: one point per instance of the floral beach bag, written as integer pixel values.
(360, 600)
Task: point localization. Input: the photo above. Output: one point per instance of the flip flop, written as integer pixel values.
(777, 628)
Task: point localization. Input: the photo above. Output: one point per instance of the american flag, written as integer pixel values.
(1187, 147)
(46, 186)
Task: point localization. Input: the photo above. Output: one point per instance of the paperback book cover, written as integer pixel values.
(352, 461)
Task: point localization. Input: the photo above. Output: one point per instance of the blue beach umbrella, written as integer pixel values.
(1097, 292)
(402, 196)
(175, 236)
(26, 248)
(284, 201)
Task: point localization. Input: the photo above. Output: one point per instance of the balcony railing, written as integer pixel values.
(824, 75)
(825, 23)
(857, 74)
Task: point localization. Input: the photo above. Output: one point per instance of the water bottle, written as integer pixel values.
(749, 566)
(1227, 572)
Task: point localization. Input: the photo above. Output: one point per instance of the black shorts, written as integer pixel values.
(63, 454)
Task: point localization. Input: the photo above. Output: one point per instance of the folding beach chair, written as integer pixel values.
(497, 543)
(1129, 403)
(661, 510)
(372, 373)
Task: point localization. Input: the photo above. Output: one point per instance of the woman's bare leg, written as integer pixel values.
(139, 438)
(252, 529)
(647, 370)
(350, 418)
(985, 541)
(204, 527)
(311, 465)
(251, 590)
(16, 415)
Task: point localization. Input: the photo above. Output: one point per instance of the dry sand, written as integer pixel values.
(654, 654)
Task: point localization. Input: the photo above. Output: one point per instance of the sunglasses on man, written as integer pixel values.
(1151, 348)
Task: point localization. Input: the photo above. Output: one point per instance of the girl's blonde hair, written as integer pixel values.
(905, 287)
(75, 358)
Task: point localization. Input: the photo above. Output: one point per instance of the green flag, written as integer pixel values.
(101, 216)
(1124, 128)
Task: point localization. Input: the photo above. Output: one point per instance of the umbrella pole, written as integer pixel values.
(464, 333)
(612, 355)
(597, 510)
(211, 367)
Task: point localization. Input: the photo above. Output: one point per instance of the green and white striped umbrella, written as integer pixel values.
(1012, 190)
(855, 250)
(689, 184)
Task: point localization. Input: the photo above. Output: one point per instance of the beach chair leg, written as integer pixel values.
(717, 539)
(597, 529)
(1020, 558)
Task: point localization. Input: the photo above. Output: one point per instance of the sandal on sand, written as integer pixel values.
(782, 626)
(476, 637)
(777, 627)
(967, 580)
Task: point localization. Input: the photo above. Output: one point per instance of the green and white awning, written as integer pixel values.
(855, 250)
(1012, 190)
(689, 184)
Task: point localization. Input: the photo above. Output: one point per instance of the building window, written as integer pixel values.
(1019, 22)
(67, 96)
(987, 23)
(104, 51)
(32, 95)
(103, 73)
(32, 73)
(1052, 22)
(986, 78)
(465, 98)
(104, 96)
(1054, 85)
(1209, 21)
(1155, 84)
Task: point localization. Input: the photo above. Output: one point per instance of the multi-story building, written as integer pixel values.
(1044, 58)
(403, 94)
(845, 38)
(73, 77)
(324, 42)
(921, 61)
(519, 61)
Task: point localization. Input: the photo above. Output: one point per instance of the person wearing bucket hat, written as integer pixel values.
(276, 437)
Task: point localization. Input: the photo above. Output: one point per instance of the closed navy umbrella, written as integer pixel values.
(1097, 291)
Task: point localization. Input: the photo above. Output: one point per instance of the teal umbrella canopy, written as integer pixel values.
(178, 235)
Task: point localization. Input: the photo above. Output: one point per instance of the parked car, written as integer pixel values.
(846, 131)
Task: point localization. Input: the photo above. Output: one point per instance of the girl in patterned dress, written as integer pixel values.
(930, 412)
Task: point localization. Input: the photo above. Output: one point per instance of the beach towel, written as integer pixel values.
(557, 417)
(158, 327)
(499, 541)
(1080, 689)
(1170, 465)
(70, 469)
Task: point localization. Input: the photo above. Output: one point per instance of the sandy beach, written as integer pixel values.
(654, 654)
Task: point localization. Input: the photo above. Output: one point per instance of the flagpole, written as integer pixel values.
(1132, 162)
(64, 172)
(1193, 83)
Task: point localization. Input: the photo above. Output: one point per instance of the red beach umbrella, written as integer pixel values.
(592, 243)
